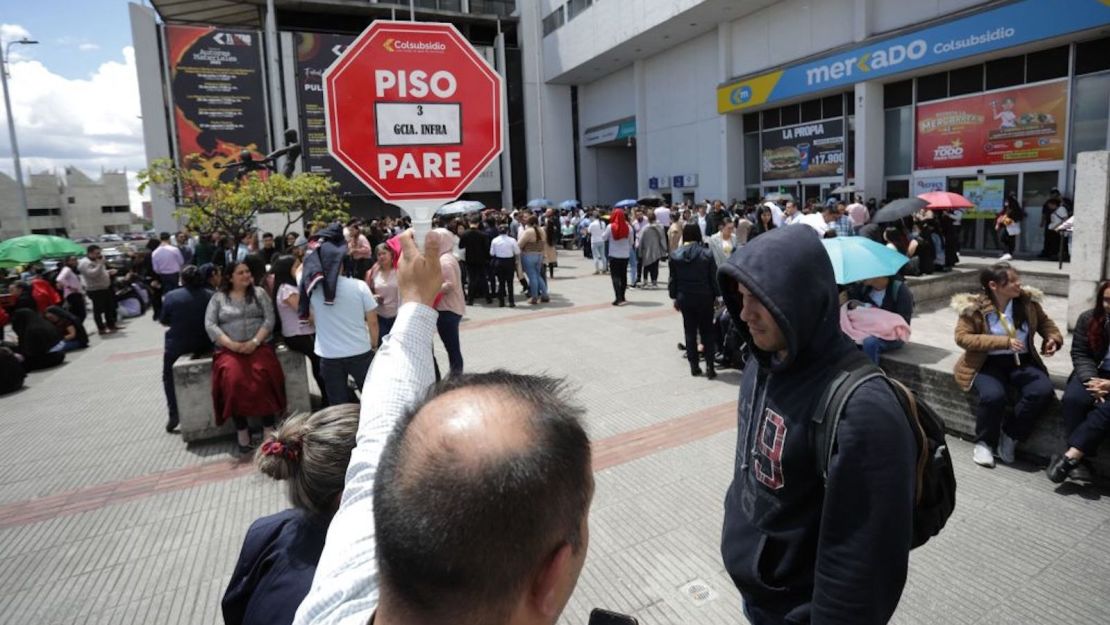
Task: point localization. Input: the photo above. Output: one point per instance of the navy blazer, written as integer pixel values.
(275, 568)
(183, 313)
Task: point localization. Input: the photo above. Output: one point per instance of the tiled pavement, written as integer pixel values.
(104, 518)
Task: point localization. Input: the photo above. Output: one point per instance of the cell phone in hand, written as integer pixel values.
(606, 617)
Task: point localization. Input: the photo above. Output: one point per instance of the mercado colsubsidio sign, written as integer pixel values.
(1003, 27)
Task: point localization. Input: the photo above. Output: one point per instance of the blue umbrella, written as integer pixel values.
(626, 204)
(859, 258)
(540, 202)
(460, 207)
(568, 204)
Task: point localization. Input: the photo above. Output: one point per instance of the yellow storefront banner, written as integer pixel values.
(751, 92)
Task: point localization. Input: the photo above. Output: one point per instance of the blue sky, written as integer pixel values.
(74, 95)
(67, 30)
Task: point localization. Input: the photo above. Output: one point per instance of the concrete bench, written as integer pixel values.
(940, 287)
(193, 382)
(927, 370)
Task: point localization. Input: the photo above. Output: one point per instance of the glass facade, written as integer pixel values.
(1090, 113)
(898, 141)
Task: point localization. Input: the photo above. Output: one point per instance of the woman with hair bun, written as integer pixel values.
(280, 552)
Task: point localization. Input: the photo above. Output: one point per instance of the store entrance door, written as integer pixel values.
(977, 234)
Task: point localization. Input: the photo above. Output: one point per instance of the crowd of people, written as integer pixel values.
(421, 506)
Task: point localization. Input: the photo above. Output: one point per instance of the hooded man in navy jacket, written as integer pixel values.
(799, 548)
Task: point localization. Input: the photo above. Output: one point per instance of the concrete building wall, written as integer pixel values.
(83, 216)
(603, 172)
(790, 30)
(682, 127)
(892, 14)
(603, 27)
(547, 116)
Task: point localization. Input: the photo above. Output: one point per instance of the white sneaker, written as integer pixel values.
(983, 456)
(1006, 446)
(1005, 257)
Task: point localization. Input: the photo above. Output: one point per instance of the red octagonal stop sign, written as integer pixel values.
(413, 111)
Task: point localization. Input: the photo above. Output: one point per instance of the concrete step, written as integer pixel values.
(927, 370)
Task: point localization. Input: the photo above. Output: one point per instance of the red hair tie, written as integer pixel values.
(277, 448)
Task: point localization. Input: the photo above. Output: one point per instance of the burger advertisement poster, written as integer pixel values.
(812, 150)
(1020, 125)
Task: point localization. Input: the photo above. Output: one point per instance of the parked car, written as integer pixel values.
(136, 236)
(111, 238)
(84, 240)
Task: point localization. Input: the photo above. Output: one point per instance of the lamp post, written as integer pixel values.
(11, 130)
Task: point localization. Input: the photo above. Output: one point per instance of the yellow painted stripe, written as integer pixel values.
(747, 93)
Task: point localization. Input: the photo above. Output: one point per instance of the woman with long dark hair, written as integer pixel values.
(1008, 225)
(247, 380)
(619, 235)
(298, 334)
(996, 328)
(1086, 411)
(382, 279)
(40, 343)
(73, 331)
(764, 221)
(532, 240)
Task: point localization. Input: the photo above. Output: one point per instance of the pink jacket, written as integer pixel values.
(865, 321)
(451, 297)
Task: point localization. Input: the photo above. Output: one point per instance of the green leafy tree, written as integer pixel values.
(207, 205)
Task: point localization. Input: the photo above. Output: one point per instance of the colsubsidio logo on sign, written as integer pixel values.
(393, 45)
(741, 94)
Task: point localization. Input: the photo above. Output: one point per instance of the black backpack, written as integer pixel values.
(936, 482)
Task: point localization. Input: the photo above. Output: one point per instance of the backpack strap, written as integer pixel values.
(909, 405)
(851, 372)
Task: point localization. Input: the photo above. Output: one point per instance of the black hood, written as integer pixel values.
(790, 272)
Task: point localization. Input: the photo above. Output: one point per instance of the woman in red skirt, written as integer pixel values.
(247, 380)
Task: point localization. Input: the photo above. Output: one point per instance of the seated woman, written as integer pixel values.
(280, 551)
(1086, 411)
(995, 329)
(247, 380)
(73, 331)
(11, 369)
(40, 343)
(887, 293)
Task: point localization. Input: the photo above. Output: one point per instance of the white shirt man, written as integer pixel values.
(663, 216)
(504, 246)
(346, 334)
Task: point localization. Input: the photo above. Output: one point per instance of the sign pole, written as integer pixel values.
(421, 215)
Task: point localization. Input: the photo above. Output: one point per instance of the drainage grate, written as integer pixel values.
(699, 592)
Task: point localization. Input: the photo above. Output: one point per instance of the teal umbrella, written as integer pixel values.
(859, 258)
(35, 247)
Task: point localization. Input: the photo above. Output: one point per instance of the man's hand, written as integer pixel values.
(247, 347)
(1016, 345)
(1049, 347)
(419, 276)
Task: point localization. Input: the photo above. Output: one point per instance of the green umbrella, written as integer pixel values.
(35, 247)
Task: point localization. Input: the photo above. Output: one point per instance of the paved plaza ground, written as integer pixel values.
(105, 518)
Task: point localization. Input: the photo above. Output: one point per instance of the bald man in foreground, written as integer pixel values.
(465, 502)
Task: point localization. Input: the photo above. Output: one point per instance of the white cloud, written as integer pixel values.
(88, 47)
(13, 32)
(92, 124)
